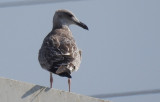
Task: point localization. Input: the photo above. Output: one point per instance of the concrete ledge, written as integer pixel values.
(16, 91)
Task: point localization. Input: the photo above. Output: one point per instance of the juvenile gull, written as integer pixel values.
(59, 53)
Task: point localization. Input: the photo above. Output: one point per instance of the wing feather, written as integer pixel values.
(58, 52)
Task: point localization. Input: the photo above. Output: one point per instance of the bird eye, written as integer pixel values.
(69, 15)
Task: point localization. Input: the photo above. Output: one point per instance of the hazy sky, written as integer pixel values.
(121, 50)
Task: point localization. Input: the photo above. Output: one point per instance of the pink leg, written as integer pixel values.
(69, 84)
(51, 80)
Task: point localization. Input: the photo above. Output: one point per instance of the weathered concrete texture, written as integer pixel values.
(16, 91)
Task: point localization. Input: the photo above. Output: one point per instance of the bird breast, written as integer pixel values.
(60, 52)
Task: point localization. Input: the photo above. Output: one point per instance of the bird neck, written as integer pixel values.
(60, 26)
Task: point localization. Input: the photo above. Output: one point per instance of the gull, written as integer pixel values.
(59, 53)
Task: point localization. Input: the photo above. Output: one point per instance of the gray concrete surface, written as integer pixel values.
(16, 91)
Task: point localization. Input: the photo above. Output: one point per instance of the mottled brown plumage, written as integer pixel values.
(59, 53)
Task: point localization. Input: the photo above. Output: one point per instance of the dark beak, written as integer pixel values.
(82, 25)
(77, 22)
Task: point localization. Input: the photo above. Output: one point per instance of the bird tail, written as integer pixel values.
(63, 69)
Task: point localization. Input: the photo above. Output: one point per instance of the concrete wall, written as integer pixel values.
(16, 91)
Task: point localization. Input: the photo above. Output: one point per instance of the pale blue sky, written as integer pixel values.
(121, 50)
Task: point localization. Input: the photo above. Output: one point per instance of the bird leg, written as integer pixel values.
(51, 80)
(69, 84)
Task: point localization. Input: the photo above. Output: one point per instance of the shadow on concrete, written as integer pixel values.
(34, 89)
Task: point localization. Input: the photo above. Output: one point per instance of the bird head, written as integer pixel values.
(65, 17)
